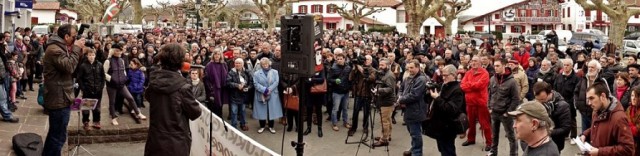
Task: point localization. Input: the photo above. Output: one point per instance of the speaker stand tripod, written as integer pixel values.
(79, 146)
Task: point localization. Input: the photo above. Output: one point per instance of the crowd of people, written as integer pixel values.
(533, 90)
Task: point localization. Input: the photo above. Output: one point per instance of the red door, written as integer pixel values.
(440, 31)
(479, 28)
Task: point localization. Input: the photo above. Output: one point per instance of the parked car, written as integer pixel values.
(633, 36)
(580, 38)
(562, 34)
(40, 29)
(631, 47)
(597, 32)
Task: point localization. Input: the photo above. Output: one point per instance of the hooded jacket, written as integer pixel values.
(172, 105)
(59, 64)
(610, 132)
(504, 94)
(523, 81)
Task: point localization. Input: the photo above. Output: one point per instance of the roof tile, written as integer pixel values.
(48, 5)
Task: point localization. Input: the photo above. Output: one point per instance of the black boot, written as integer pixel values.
(307, 131)
(319, 132)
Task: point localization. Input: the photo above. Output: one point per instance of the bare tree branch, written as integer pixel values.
(357, 12)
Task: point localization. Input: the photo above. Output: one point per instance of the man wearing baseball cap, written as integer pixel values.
(532, 126)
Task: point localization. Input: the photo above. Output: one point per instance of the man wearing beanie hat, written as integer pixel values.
(532, 126)
(520, 76)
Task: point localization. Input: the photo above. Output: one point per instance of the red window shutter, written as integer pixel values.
(320, 8)
(528, 13)
(313, 8)
(407, 17)
(587, 13)
(513, 29)
(556, 13)
(300, 9)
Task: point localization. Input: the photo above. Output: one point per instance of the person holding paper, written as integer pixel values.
(609, 134)
(532, 126)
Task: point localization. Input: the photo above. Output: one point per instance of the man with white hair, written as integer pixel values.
(565, 84)
(546, 72)
(593, 75)
(240, 83)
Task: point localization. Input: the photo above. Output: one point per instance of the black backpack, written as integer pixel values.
(27, 144)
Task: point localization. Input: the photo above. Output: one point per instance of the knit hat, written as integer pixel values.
(514, 61)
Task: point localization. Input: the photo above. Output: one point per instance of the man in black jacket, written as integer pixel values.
(239, 82)
(504, 96)
(565, 83)
(448, 105)
(558, 110)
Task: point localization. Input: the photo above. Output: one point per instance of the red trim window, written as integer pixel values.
(331, 8)
(302, 9)
(316, 8)
(331, 26)
(496, 16)
(522, 12)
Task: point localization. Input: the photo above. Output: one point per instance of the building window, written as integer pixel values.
(534, 13)
(517, 29)
(331, 26)
(568, 11)
(522, 13)
(496, 16)
(563, 12)
(316, 8)
(587, 13)
(302, 9)
(400, 16)
(331, 8)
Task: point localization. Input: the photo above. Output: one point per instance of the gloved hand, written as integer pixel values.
(266, 92)
(338, 81)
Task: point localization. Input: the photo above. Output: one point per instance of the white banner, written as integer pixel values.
(231, 143)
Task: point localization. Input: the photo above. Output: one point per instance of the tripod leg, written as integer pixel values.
(85, 150)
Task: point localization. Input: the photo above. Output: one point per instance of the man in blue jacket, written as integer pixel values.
(412, 94)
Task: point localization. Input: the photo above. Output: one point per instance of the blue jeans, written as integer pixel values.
(237, 113)
(415, 130)
(137, 97)
(586, 121)
(4, 106)
(363, 104)
(57, 135)
(339, 101)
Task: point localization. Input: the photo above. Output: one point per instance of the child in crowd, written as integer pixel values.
(91, 80)
(136, 81)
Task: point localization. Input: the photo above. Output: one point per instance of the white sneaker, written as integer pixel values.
(572, 142)
(114, 122)
(142, 116)
(260, 130)
(273, 131)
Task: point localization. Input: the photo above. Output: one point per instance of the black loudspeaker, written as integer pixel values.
(301, 39)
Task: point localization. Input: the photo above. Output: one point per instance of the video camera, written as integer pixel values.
(359, 60)
(89, 41)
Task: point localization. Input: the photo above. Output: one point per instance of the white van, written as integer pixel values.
(40, 30)
(126, 29)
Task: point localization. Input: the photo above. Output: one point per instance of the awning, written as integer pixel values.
(331, 19)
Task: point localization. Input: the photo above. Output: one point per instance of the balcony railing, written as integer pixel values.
(537, 19)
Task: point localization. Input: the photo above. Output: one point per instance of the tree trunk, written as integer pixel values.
(616, 32)
(356, 24)
(447, 26)
(137, 11)
(271, 23)
(155, 22)
(413, 29)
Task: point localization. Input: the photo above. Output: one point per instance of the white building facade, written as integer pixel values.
(11, 22)
(517, 17)
(394, 14)
(576, 19)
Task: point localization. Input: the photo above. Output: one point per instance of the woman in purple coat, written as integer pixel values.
(215, 77)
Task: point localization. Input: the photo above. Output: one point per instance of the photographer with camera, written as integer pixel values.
(448, 104)
(362, 78)
(385, 94)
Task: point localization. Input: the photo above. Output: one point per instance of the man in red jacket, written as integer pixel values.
(474, 85)
(523, 57)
